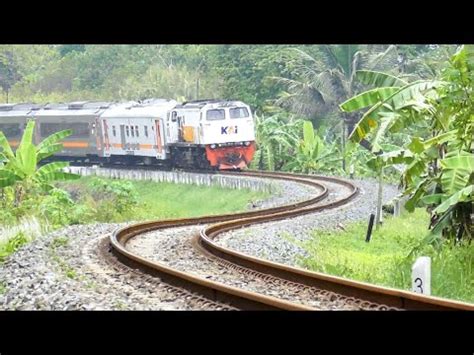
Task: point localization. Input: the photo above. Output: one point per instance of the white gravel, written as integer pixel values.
(271, 240)
(68, 274)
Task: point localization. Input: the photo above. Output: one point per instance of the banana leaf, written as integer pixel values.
(367, 98)
(461, 196)
(52, 139)
(378, 79)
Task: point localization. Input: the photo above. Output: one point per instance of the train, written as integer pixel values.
(200, 134)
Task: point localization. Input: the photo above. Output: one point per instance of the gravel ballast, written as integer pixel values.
(271, 240)
(62, 270)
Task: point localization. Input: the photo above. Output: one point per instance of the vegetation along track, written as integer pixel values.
(357, 294)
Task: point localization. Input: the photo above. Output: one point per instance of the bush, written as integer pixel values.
(115, 198)
(56, 208)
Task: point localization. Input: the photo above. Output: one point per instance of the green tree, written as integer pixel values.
(439, 169)
(320, 82)
(8, 72)
(244, 68)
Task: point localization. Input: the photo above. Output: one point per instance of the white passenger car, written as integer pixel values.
(135, 129)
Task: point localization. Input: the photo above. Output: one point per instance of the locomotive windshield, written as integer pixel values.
(239, 112)
(216, 114)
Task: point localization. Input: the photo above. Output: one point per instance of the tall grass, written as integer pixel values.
(13, 237)
(388, 257)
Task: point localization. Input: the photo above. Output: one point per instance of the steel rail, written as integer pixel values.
(345, 288)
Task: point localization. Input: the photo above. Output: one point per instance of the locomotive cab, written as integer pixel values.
(228, 134)
(219, 133)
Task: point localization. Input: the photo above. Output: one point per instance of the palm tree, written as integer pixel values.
(323, 82)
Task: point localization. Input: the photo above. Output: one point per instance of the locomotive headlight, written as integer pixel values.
(247, 144)
(213, 146)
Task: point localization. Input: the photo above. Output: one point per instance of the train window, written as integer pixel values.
(79, 129)
(113, 131)
(174, 116)
(131, 129)
(127, 130)
(239, 112)
(10, 129)
(136, 131)
(216, 114)
(146, 131)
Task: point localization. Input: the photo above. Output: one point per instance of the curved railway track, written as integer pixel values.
(330, 288)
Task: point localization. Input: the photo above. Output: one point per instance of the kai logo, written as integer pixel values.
(229, 130)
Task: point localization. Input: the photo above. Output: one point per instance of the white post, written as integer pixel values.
(421, 275)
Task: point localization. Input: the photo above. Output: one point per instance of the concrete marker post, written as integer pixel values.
(421, 275)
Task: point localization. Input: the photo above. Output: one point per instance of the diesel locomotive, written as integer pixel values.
(202, 134)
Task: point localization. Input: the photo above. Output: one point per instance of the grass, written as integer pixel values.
(93, 199)
(3, 287)
(387, 259)
(13, 244)
(152, 200)
(68, 271)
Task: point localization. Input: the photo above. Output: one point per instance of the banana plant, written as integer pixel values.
(312, 155)
(438, 169)
(19, 169)
(275, 141)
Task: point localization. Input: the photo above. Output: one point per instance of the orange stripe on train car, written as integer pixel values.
(75, 144)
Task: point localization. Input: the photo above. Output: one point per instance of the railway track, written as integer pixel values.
(328, 289)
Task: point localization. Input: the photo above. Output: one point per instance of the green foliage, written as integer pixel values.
(9, 74)
(276, 138)
(439, 169)
(318, 82)
(59, 242)
(313, 155)
(56, 208)
(388, 258)
(121, 194)
(25, 189)
(13, 244)
(291, 144)
(244, 69)
(378, 79)
(65, 267)
(19, 169)
(144, 200)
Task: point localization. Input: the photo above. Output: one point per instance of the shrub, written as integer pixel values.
(121, 194)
